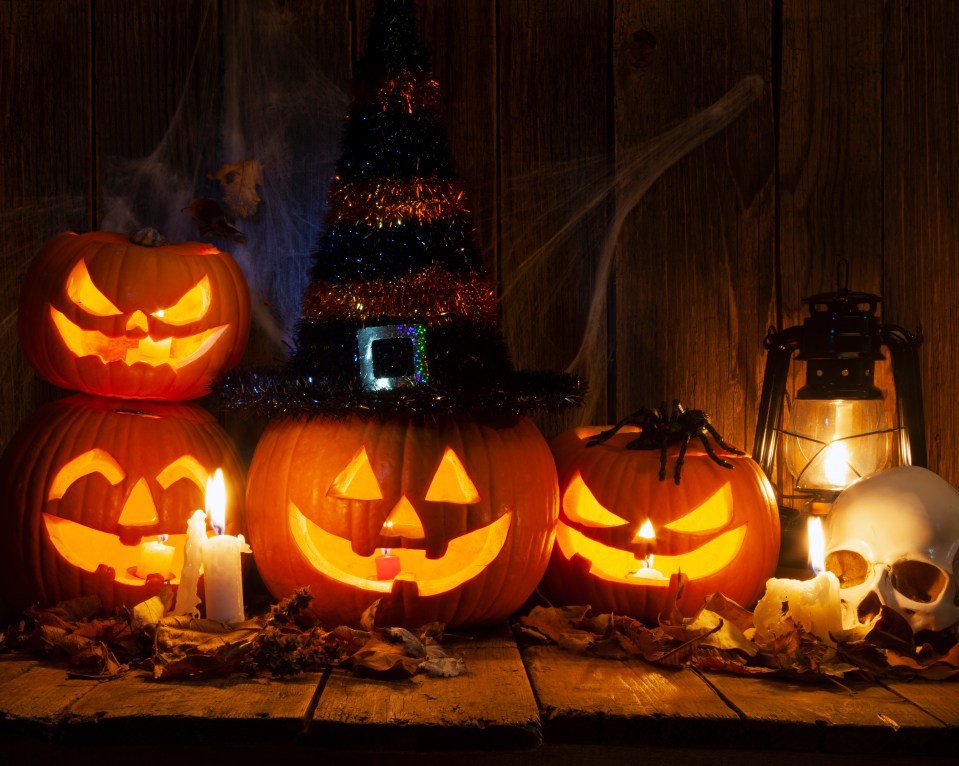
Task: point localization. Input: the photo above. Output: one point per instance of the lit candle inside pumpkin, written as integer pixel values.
(387, 564)
(646, 571)
(156, 557)
(222, 573)
(814, 604)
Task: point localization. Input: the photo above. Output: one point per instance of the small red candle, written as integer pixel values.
(387, 565)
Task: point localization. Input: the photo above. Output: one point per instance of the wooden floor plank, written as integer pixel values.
(34, 702)
(590, 700)
(13, 665)
(490, 707)
(865, 718)
(939, 699)
(233, 709)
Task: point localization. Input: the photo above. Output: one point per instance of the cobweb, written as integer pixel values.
(277, 107)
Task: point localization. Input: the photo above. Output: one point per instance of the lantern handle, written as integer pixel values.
(904, 352)
(780, 346)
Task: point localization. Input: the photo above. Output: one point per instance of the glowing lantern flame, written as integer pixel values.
(817, 544)
(216, 501)
(836, 460)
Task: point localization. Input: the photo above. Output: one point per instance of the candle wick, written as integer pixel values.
(162, 538)
(217, 529)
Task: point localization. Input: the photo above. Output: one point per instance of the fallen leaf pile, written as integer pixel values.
(174, 646)
(721, 637)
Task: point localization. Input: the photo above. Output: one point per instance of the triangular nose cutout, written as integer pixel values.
(137, 321)
(403, 521)
(139, 510)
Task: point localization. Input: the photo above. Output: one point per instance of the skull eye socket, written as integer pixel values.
(849, 567)
(918, 580)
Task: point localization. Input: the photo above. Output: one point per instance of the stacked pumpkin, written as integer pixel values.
(138, 325)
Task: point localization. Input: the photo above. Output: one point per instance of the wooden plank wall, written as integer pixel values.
(849, 151)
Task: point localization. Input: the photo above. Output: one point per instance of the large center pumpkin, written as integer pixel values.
(467, 510)
(101, 314)
(87, 480)
(622, 532)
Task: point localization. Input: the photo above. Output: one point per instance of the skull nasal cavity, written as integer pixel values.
(139, 510)
(403, 521)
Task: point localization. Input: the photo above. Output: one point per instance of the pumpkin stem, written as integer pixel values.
(147, 237)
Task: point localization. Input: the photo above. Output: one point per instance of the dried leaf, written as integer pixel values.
(212, 221)
(553, 621)
(154, 609)
(722, 634)
(383, 658)
(238, 182)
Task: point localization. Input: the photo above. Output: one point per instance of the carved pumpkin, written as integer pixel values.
(622, 531)
(101, 314)
(87, 480)
(450, 521)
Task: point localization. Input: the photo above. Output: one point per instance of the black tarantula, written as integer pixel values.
(659, 432)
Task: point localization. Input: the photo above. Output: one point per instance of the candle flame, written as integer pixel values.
(646, 532)
(216, 501)
(836, 463)
(817, 544)
(162, 538)
(385, 551)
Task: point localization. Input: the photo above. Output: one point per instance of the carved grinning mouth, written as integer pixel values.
(86, 548)
(175, 352)
(614, 565)
(334, 557)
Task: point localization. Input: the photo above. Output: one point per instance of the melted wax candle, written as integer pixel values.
(815, 604)
(222, 572)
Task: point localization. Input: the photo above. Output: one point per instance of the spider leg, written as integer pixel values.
(662, 460)
(681, 458)
(719, 439)
(711, 452)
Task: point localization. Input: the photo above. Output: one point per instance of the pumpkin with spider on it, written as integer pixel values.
(628, 523)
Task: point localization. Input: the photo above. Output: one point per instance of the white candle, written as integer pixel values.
(156, 557)
(647, 572)
(186, 595)
(222, 573)
(815, 604)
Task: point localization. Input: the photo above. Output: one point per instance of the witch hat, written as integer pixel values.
(399, 318)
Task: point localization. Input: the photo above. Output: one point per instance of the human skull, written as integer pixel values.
(892, 538)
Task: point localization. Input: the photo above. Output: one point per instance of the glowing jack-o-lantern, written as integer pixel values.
(88, 480)
(449, 521)
(622, 531)
(103, 314)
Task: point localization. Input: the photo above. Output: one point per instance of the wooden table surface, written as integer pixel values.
(535, 704)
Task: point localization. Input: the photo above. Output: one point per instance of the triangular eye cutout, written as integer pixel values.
(357, 481)
(451, 483)
(582, 506)
(714, 514)
(86, 295)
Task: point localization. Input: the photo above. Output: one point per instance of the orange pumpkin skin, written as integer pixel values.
(463, 563)
(65, 481)
(719, 526)
(103, 315)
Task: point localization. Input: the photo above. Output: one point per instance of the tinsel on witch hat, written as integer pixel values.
(398, 317)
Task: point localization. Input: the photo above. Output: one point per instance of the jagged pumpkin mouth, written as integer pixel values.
(615, 565)
(175, 352)
(466, 557)
(87, 548)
